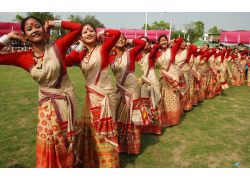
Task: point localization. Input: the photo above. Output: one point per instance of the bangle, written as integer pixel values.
(79, 48)
(4, 39)
(57, 23)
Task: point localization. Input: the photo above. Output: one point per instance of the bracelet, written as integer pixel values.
(57, 23)
(4, 39)
(79, 48)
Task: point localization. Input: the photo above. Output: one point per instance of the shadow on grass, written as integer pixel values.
(224, 94)
(183, 116)
(16, 166)
(146, 141)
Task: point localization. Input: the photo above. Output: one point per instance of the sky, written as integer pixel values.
(135, 20)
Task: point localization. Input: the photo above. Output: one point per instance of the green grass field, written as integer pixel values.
(213, 134)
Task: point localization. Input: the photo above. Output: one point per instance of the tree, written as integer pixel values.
(161, 25)
(176, 34)
(77, 19)
(199, 26)
(43, 16)
(190, 32)
(194, 31)
(92, 20)
(214, 30)
(148, 26)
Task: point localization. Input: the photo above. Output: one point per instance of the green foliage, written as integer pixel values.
(148, 27)
(214, 30)
(199, 26)
(76, 18)
(194, 31)
(176, 34)
(43, 16)
(87, 19)
(92, 20)
(161, 25)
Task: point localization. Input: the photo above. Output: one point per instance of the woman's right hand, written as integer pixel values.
(16, 35)
(145, 81)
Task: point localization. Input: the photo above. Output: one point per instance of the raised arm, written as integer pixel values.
(175, 48)
(110, 39)
(208, 54)
(67, 40)
(19, 59)
(191, 50)
(139, 46)
(75, 56)
(134, 52)
(152, 55)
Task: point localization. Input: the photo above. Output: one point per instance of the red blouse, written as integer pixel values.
(110, 39)
(152, 55)
(191, 50)
(134, 52)
(25, 59)
(174, 49)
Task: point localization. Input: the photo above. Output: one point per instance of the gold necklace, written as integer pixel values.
(38, 60)
(87, 57)
(118, 59)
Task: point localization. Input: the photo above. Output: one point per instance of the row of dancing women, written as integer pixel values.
(114, 115)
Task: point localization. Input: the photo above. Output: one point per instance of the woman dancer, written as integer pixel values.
(130, 112)
(56, 131)
(99, 146)
(169, 81)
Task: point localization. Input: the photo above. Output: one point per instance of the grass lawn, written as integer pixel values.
(213, 134)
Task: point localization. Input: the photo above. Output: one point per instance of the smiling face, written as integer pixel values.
(205, 46)
(163, 42)
(236, 50)
(88, 34)
(121, 42)
(34, 31)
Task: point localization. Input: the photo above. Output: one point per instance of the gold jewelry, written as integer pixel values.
(87, 57)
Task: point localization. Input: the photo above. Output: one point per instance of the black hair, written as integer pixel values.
(145, 38)
(123, 36)
(85, 24)
(161, 36)
(26, 19)
(207, 44)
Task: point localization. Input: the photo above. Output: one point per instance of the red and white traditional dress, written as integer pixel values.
(169, 84)
(130, 110)
(150, 93)
(242, 63)
(248, 74)
(56, 130)
(236, 69)
(223, 70)
(202, 69)
(196, 76)
(99, 146)
(212, 83)
(182, 60)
